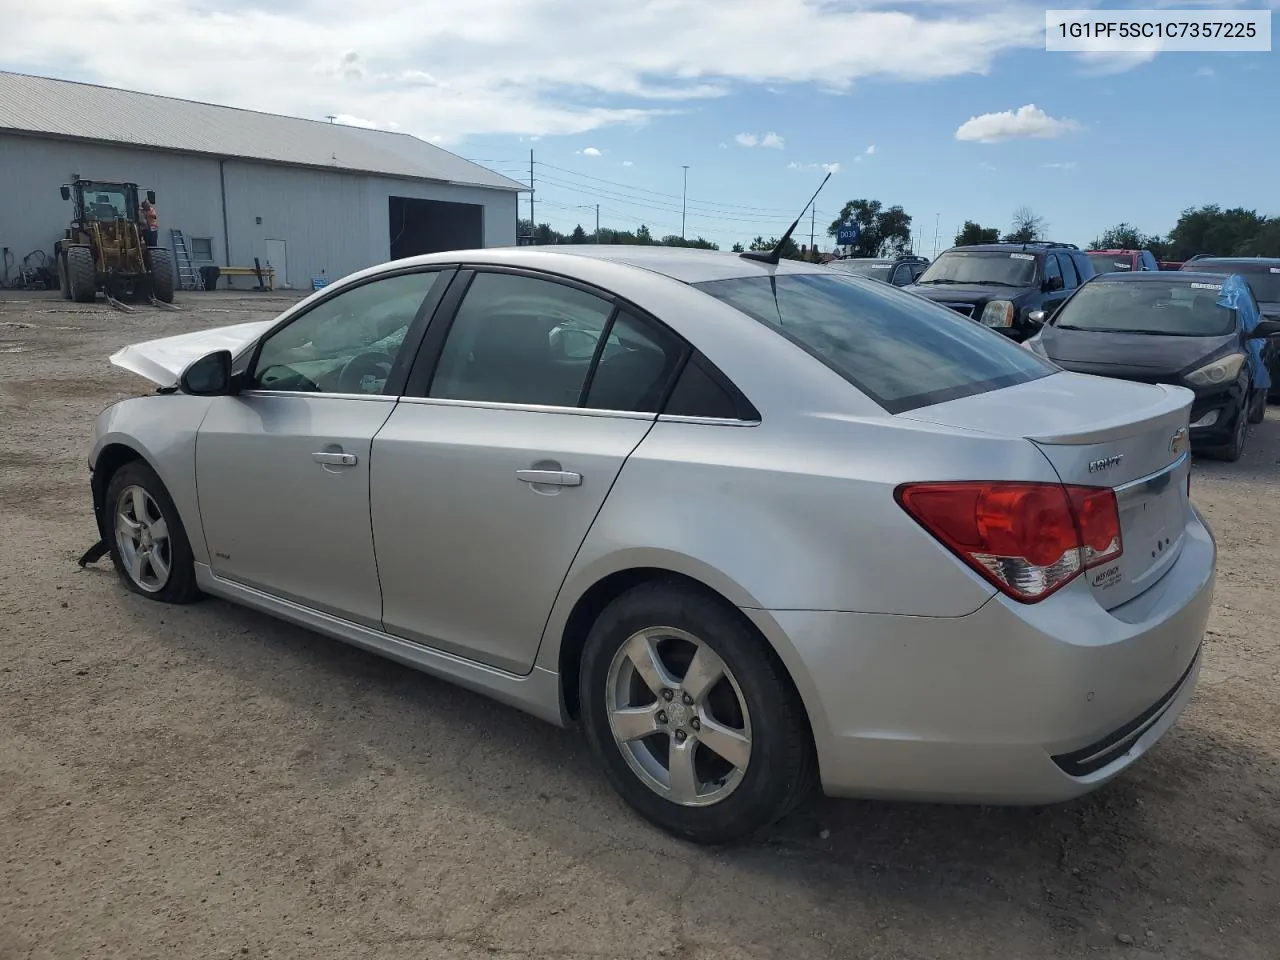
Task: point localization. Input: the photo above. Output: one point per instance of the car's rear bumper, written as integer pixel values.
(1015, 703)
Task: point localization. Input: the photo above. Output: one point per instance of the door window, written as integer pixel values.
(1052, 272)
(1069, 279)
(520, 339)
(635, 367)
(347, 343)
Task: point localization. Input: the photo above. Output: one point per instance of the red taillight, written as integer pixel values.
(1028, 539)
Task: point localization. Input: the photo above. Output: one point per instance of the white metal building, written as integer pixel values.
(309, 198)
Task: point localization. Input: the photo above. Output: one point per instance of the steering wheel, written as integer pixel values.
(372, 363)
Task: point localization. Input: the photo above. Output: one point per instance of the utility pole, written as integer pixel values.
(533, 221)
(597, 223)
(684, 199)
(937, 219)
(813, 229)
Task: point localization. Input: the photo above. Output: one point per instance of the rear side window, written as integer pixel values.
(700, 393)
(900, 350)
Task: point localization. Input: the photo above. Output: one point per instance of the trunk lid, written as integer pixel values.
(162, 361)
(1095, 431)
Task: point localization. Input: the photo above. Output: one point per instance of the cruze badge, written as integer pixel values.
(1178, 442)
(1105, 463)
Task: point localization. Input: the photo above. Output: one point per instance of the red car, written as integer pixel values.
(1122, 261)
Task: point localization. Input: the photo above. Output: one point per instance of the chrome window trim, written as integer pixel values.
(311, 394)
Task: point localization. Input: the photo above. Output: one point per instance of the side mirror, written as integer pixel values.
(151, 196)
(1038, 316)
(66, 192)
(210, 376)
(1265, 330)
(1053, 283)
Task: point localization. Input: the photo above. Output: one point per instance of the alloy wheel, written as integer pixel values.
(678, 716)
(142, 537)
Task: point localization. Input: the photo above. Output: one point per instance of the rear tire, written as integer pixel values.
(81, 279)
(149, 545)
(163, 278)
(744, 737)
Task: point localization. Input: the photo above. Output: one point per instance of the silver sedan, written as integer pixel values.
(753, 528)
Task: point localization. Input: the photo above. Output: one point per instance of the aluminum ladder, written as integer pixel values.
(188, 279)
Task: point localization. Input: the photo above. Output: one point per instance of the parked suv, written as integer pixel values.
(900, 271)
(1010, 287)
(1263, 276)
(1122, 261)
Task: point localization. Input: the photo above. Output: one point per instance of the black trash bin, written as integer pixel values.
(210, 274)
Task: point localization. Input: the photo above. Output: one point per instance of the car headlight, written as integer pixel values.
(1222, 370)
(998, 313)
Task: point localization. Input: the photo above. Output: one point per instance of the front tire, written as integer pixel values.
(163, 275)
(149, 545)
(692, 716)
(1258, 409)
(81, 278)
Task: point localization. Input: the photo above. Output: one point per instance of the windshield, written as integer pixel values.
(105, 201)
(1015, 269)
(863, 268)
(1263, 278)
(1176, 308)
(1110, 262)
(901, 350)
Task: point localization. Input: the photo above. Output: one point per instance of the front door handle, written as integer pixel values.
(557, 478)
(337, 459)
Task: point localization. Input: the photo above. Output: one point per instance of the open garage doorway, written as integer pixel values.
(432, 226)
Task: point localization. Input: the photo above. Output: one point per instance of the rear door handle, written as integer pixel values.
(338, 459)
(557, 478)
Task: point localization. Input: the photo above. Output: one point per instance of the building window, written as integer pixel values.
(202, 249)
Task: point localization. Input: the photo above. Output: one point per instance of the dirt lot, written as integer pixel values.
(206, 782)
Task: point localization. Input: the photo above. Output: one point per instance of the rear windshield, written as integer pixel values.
(1177, 308)
(1110, 262)
(1263, 278)
(994, 267)
(863, 268)
(899, 349)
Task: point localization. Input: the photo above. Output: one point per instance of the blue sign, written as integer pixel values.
(847, 234)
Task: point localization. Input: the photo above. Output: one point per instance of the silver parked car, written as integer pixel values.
(753, 527)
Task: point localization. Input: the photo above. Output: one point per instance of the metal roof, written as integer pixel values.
(81, 111)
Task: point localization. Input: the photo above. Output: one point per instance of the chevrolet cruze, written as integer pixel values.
(751, 527)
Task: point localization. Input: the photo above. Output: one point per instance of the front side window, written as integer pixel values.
(1169, 308)
(1052, 273)
(901, 350)
(347, 343)
(1068, 268)
(521, 339)
(986, 267)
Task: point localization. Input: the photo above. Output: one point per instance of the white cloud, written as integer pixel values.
(824, 167)
(1204, 72)
(871, 149)
(1027, 122)
(589, 152)
(627, 163)
(501, 67)
(986, 166)
(1066, 165)
(769, 139)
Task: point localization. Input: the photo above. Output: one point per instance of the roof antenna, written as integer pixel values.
(774, 255)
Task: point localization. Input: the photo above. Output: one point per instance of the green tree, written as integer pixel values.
(737, 248)
(1125, 236)
(579, 235)
(973, 232)
(882, 231)
(1027, 227)
(643, 236)
(1210, 229)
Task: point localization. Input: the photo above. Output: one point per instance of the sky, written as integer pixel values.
(951, 108)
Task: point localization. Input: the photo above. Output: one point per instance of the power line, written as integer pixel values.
(642, 203)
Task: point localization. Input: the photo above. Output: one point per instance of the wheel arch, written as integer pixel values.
(110, 458)
(571, 635)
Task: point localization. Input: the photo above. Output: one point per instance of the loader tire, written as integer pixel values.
(64, 286)
(162, 274)
(80, 275)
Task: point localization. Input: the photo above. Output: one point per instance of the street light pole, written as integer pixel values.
(937, 219)
(684, 199)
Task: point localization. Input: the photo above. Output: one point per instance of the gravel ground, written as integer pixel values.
(207, 782)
